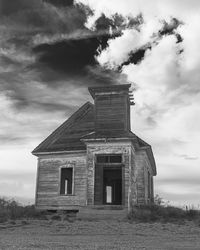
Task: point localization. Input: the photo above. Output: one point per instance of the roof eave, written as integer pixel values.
(58, 152)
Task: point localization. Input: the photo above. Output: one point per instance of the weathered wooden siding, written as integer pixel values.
(134, 185)
(133, 180)
(48, 183)
(108, 148)
(142, 168)
(112, 112)
(98, 188)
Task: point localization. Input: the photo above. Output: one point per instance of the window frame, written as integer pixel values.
(109, 157)
(70, 165)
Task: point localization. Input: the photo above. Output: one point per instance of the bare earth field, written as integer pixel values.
(44, 234)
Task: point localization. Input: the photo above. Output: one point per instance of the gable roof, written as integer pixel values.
(67, 136)
(79, 127)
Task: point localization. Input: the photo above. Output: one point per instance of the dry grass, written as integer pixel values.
(96, 235)
(157, 229)
(160, 213)
(12, 210)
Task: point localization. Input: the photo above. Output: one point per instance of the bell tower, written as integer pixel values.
(112, 108)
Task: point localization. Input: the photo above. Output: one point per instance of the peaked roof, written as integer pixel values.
(80, 127)
(67, 136)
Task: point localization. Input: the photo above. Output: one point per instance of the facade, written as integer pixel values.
(93, 160)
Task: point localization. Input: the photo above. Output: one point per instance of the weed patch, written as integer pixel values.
(159, 213)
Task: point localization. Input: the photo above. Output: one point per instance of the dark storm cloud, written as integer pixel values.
(46, 45)
(70, 56)
(8, 7)
(113, 26)
(22, 76)
(135, 57)
(60, 3)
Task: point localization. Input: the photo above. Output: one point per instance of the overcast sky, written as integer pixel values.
(51, 51)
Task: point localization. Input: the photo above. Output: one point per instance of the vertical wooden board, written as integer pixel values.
(112, 113)
(123, 185)
(152, 190)
(98, 185)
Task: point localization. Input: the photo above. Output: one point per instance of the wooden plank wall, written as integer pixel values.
(48, 183)
(98, 187)
(142, 168)
(112, 113)
(133, 179)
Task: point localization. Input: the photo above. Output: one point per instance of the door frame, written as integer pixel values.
(101, 167)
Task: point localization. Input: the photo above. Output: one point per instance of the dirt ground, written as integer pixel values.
(98, 235)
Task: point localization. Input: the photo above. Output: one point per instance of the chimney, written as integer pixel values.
(112, 108)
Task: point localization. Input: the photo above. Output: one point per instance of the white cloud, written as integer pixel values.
(167, 113)
(131, 39)
(150, 9)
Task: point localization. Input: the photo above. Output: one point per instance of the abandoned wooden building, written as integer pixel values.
(93, 160)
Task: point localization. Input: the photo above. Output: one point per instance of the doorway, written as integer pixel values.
(112, 185)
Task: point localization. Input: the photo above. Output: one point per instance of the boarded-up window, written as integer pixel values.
(66, 181)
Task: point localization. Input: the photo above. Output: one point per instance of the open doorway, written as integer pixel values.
(112, 185)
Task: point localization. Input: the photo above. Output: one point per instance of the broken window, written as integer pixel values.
(66, 181)
(109, 158)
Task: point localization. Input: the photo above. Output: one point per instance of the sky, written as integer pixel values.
(52, 50)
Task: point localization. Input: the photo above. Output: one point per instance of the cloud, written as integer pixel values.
(131, 46)
(46, 46)
(190, 158)
(17, 183)
(50, 51)
(59, 3)
(9, 7)
(68, 56)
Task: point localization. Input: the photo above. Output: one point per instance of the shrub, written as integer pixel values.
(11, 209)
(150, 213)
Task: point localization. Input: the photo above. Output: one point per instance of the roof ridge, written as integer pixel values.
(66, 124)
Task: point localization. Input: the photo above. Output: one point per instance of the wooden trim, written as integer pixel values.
(123, 184)
(65, 125)
(105, 139)
(71, 165)
(60, 152)
(37, 181)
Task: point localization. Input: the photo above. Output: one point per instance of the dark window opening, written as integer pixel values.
(66, 181)
(109, 159)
